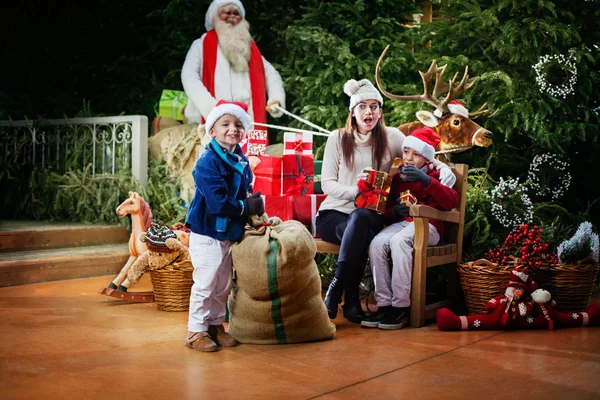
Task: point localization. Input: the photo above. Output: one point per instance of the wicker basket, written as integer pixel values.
(172, 286)
(482, 280)
(570, 285)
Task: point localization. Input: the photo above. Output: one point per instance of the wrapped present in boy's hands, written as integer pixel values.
(407, 198)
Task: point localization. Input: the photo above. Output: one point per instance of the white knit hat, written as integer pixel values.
(360, 91)
(424, 141)
(235, 108)
(214, 7)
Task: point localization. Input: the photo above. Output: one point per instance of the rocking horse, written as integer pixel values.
(141, 218)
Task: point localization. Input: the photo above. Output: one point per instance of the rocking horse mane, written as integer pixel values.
(146, 212)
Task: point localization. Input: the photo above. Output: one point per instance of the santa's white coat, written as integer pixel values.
(229, 85)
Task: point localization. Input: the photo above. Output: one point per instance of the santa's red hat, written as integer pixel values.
(235, 108)
(454, 107)
(519, 278)
(424, 141)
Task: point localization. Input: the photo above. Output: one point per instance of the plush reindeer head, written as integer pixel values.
(451, 120)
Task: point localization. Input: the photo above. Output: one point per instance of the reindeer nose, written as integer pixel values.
(488, 135)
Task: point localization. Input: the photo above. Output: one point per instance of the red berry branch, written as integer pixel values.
(524, 242)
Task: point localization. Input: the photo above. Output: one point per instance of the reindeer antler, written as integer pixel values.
(440, 88)
(483, 112)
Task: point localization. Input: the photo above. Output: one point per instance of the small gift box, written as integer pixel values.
(407, 198)
(172, 103)
(373, 191)
(267, 174)
(299, 208)
(297, 143)
(255, 143)
(298, 173)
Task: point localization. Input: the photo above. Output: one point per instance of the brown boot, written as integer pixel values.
(200, 341)
(218, 334)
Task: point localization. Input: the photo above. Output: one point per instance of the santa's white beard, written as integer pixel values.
(234, 42)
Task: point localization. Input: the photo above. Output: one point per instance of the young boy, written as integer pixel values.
(418, 174)
(216, 217)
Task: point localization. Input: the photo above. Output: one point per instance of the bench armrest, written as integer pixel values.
(422, 211)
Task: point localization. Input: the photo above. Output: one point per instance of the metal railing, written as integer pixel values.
(108, 145)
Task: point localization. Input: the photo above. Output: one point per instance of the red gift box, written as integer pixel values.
(255, 143)
(298, 174)
(297, 143)
(267, 174)
(300, 208)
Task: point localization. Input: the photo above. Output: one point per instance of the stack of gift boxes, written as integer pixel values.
(287, 182)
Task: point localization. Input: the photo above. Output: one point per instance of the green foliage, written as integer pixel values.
(81, 196)
(334, 41)
(326, 264)
(583, 244)
(500, 41)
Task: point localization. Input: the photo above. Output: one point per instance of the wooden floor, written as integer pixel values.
(62, 340)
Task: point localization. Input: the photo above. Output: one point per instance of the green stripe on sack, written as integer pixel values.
(274, 291)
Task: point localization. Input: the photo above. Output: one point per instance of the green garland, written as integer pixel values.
(80, 196)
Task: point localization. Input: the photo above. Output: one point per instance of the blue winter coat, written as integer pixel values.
(212, 178)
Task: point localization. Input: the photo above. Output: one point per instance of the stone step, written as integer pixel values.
(31, 235)
(52, 264)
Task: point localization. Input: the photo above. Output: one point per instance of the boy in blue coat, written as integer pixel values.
(216, 217)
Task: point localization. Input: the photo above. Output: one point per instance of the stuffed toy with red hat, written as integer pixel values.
(522, 306)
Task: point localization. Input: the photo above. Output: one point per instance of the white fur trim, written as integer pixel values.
(230, 109)
(214, 7)
(453, 109)
(464, 324)
(458, 109)
(420, 146)
(361, 91)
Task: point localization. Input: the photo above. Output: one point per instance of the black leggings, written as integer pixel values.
(353, 232)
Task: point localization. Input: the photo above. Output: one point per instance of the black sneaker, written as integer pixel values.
(373, 320)
(396, 318)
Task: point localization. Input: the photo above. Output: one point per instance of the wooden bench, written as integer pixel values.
(426, 257)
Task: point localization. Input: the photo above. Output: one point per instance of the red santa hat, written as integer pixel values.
(454, 107)
(519, 278)
(216, 5)
(235, 108)
(424, 141)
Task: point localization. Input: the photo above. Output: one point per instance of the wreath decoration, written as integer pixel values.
(567, 64)
(548, 175)
(511, 205)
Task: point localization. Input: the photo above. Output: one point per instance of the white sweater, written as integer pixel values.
(229, 85)
(338, 182)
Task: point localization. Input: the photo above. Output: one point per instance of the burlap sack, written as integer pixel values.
(276, 296)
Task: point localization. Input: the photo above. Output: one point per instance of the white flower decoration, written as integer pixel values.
(566, 63)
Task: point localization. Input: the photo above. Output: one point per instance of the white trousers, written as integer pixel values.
(212, 281)
(392, 285)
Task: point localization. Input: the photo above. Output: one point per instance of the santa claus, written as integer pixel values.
(225, 63)
(522, 306)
